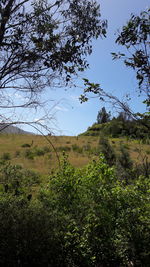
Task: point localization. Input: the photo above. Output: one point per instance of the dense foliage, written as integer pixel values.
(44, 43)
(135, 38)
(103, 116)
(122, 125)
(82, 217)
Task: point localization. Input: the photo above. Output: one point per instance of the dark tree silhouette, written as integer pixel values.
(103, 116)
(44, 44)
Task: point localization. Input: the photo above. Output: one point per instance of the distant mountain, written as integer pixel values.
(10, 129)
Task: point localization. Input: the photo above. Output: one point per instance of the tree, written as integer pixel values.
(135, 38)
(107, 150)
(44, 44)
(103, 116)
(123, 116)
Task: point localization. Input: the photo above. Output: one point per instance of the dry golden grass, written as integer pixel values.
(137, 150)
(78, 157)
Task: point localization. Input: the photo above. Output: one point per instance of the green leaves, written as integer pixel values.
(117, 55)
(135, 38)
(87, 217)
(46, 40)
(93, 88)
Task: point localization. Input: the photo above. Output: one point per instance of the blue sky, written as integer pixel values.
(69, 117)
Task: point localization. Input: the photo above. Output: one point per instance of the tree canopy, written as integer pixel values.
(134, 37)
(103, 116)
(44, 43)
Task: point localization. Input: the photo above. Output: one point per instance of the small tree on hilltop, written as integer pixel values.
(103, 116)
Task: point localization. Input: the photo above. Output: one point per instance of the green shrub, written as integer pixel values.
(17, 179)
(106, 220)
(26, 145)
(105, 148)
(63, 148)
(6, 156)
(87, 147)
(82, 217)
(30, 178)
(46, 149)
(125, 146)
(39, 152)
(124, 164)
(36, 151)
(29, 154)
(50, 156)
(145, 141)
(17, 153)
(124, 158)
(77, 149)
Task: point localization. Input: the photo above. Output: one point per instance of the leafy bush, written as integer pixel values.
(87, 147)
(29, 154)
(82, 217)
(6, 156)
(26, 145)
(36, 151)
(77, 149)
(16, 179)
(124, 158)
(63, 148)
(106, 149)
(106, 220)
(50, 156)
(46, 149)
(124, 164)
(39, 152)
(17, 153)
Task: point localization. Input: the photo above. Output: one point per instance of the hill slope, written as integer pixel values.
(6, 128)
(120, 128)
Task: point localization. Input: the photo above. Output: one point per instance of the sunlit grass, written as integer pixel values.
(80, 150)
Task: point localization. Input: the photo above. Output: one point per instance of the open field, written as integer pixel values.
(34, 152)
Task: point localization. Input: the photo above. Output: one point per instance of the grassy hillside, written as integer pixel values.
(118, 127)
(35, 153)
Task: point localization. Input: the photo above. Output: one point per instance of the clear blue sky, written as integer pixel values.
(71, 117)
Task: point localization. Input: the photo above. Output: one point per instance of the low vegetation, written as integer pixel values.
(121, 126)
(90, 216)
(84, 203)
(35, 153)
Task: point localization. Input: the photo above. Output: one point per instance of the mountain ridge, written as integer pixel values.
(8, 128)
